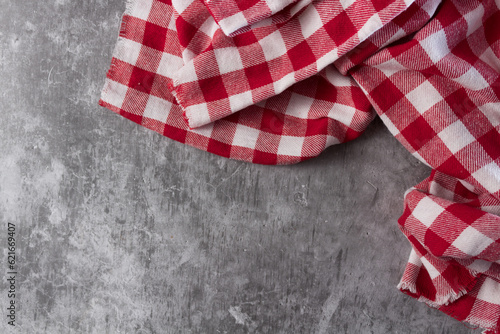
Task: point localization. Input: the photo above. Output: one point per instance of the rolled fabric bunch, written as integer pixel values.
(454, 265)
(438, 92)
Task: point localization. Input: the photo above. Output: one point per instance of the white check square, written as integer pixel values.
(390, 67)
(490, 58)
(197, 115)
(331, 140)
(474, 19)
(240, 101)
(132, 54)
(299, 106)
(232, 23)
(492, 112)
(141, 9)
(283, 83)
(205, 130)
(489, 177)
(169, 64)
(228, 59)
(342, 113)
(114, 93)
(472, 79)
(456, 137)
(209, 27)
(273, 46)
(424, 97)
(436, 46)
(480, 266)
(290, 145)
(427, 211)
(337, 79)
(245, 136)
(157, 109)
(388, 123)
(490, 291)
(373, 24)
(310, 21)
(346, 3)
(181, 6)
(472, 242)
(185, 74)
(433, 272)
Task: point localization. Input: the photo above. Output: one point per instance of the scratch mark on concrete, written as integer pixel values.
(300, 199)
(227, 178)
(240, 317)
(48, 77)
(372, 185)
(327, 311)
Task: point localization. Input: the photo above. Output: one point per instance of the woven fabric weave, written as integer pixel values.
(276, 82)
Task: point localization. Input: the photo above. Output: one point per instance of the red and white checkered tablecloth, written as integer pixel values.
(276, 82)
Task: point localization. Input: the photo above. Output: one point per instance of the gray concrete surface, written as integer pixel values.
(120, 230)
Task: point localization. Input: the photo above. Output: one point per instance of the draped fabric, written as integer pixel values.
(276, 82)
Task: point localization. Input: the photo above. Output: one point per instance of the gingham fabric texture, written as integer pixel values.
(276, 82)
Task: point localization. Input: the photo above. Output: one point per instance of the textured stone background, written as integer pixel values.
(120, 230)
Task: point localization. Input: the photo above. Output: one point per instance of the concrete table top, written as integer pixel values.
(121, 230)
